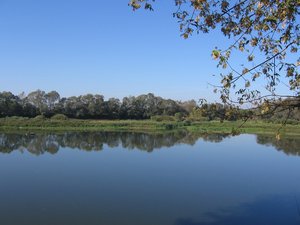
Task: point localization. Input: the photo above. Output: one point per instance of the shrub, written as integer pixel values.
(59, 117)
(197, 117)
(187, 123)
(39, 117)
(169, 126)
(162, 118)
(179, 116)
(292, 122)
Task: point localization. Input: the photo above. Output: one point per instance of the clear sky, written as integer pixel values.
(91, 46)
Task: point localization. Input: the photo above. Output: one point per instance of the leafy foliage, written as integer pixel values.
(87, 106)
(37, 105)
(59, 117)
(266, 33)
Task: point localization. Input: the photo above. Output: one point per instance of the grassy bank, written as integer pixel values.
(21, 123)
(251, 127)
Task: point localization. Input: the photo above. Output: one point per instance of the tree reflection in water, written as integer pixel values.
(290, 145)
(93, 141)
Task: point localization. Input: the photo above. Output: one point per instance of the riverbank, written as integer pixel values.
(258, 127)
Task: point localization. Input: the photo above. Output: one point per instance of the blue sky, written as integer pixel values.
(91, 46)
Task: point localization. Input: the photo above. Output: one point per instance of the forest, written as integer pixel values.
(146, 106)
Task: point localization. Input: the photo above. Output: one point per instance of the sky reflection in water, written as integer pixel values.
(110, 178)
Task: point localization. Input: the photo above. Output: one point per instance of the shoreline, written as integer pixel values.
(226, 127)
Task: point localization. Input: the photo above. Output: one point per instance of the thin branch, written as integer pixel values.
(260, 64)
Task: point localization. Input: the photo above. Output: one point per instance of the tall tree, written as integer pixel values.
(52, 98)
(10, 105)
(38, 99)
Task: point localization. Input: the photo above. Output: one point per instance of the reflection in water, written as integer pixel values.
(40, 143)
(93, 141)
(274, 209)
(289, 145)
(234, 182)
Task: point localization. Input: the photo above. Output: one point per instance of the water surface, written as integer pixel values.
(177, 178)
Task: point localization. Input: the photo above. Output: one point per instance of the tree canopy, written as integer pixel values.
(41, 105)
(89, 106)
(266, 33)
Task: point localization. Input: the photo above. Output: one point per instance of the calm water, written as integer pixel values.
(148, 179)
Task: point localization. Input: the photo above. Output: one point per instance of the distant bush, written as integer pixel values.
(281, 121)
(200, 118)
(169, 126)
(187, 123)
(18, 118)
(163, 118)
(59, 117)
(179, 116)
(39, 117)
(292, 122)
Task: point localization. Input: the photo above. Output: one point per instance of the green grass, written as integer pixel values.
(253, 127)
(258, 127)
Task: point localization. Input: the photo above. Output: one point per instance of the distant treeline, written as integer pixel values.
(89, 106)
